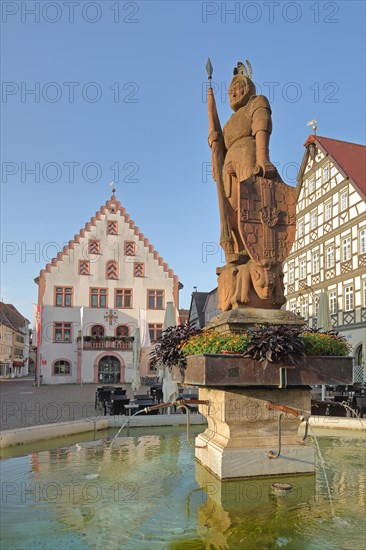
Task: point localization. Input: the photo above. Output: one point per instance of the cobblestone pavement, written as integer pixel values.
(23, 404)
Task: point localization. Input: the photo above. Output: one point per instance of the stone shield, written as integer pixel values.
(267, 218)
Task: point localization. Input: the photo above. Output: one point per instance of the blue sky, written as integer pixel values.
(119, 92)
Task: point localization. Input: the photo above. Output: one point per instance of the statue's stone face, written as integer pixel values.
(238, 95)
(263, 279)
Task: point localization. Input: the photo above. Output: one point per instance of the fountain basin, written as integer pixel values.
(151, 495)
(235, 370)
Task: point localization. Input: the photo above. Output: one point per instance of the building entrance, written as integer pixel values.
(109, 370)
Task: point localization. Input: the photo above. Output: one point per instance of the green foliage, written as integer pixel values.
(325, 343)
(210, 341)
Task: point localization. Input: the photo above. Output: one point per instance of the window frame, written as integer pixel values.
(99, 295)
(333, 302)
(328, 256)
(302, 262)
(121, 293)
(155, 330)
(341, 195)
(301, 227)
(123, 335)
(346, 248)
(325, 167)
(315, 262)
(97, 325)
(312, 184)
(63, 326)
(326, 204)
(155, 298)
(63, 294)
(348, 296)
(61, 373)
(362, 241)
(291, 273)
(313, 216)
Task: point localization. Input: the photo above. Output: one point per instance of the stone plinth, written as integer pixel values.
(242, 431)
(238, 320)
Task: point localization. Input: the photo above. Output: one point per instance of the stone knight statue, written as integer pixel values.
(257, 209)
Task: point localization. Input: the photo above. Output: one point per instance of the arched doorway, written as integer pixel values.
(109, 370)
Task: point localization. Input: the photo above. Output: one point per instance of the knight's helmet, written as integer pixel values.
(244, 75)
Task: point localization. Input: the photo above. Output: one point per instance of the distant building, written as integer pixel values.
(196, 309)
(203, 308)
(329, 252)
(14, 342)
(183, 316)
(90, 297)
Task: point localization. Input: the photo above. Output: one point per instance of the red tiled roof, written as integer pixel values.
(350, 157)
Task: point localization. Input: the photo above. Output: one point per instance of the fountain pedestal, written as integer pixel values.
(241, 430)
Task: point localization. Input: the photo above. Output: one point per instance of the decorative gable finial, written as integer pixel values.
(111, 184)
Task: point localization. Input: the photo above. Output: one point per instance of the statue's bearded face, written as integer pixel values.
(238, 95)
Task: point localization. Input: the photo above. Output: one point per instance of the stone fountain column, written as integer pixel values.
(252, 431)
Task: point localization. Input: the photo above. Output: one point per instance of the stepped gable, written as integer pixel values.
(114, 206)
(350, 158)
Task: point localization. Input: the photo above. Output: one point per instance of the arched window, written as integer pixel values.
(97, 330)
(122, 330)
(61, 367)
(112, 269)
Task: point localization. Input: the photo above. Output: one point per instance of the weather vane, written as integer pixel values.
(111, 184)
(313, 122)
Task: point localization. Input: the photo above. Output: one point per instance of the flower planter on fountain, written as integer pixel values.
(222, 370)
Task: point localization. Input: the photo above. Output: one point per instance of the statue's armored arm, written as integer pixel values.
(262, 129)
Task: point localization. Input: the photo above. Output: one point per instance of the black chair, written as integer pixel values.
(102, 396)
(361, 404)
(119, 391)
(156, 392)
(116, 405)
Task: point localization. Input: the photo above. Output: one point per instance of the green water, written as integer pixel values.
(151, 494)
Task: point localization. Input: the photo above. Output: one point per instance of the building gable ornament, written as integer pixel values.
(111, 317)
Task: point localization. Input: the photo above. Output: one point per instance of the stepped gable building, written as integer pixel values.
(329, 252)
(14, 342)
(93, 295)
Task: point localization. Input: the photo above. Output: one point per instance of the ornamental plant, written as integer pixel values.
(275, 343)
(168, 347)
(210, 341)
(325, 343)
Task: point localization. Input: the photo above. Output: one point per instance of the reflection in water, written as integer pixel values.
(151, 494)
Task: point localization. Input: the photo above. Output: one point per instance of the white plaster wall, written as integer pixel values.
(66, 273)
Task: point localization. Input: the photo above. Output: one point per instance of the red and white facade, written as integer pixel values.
(90, 298)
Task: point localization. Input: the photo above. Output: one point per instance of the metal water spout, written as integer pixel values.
(287, 410)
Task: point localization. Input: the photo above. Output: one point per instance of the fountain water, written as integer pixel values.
(146, 497)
